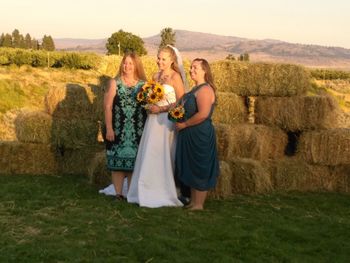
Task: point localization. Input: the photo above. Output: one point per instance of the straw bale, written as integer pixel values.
(342, 176)
(97, 170)
(260, 79)
(297, 113)
(230, 109)
(27, 158)
(5, 157)
(39, 127)
(292, 174)
(77, 161)
(257, 142)
(249, 177)
(327, 147)
(223, 188)
(71, 101)
(33, 127)
(74, 133)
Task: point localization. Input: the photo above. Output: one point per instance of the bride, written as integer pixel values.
(152, 183)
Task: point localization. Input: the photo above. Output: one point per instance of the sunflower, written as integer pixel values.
(177, 113)
(159, 90)
(140, 97)
(152, 98)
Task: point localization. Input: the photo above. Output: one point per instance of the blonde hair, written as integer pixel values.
(171, 52)
(139, 72)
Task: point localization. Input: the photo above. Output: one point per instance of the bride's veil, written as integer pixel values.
(181, 67)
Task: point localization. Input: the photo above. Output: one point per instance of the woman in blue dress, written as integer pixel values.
(124, 119)
(196, 158)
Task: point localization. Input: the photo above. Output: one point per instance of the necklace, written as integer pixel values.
(164, 77)
(130, 82)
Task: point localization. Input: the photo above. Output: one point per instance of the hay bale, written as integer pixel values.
(74, 133)
(256, 142)
(39, 127)
(230, 109)
(327, 147)
(223, 188)
(97, 170)
(71, 101)
(249, 177)
(297, 113)
(5, 157)
(33, 127)
(77, 161)
(7, 125)
(342, 176)
(27, 158)
(292, 174)
(260, 79)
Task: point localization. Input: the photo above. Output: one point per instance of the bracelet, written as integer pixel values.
(162, 109)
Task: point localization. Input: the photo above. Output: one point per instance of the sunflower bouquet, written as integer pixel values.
(150, 93)
(177, 113)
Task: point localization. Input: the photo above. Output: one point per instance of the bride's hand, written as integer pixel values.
(153, 109)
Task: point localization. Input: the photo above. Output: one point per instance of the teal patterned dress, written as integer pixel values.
(128, 119)
(196, 160)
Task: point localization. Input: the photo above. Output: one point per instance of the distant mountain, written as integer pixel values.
(78, 44)
(216, 47)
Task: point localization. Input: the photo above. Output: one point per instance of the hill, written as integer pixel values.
(216, 47)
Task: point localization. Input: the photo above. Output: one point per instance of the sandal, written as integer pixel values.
(119, 197)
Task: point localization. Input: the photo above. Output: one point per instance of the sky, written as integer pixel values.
(321, 22)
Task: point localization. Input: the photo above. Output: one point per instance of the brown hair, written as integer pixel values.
(174, 65)
(208, 77)
(139, 71)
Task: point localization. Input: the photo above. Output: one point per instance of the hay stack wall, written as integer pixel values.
(292, 142)
(62, 140)
(259, 107)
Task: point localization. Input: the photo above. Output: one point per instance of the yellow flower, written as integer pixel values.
(177, 113)
(152, 98)
(140, 97)
(151, 92)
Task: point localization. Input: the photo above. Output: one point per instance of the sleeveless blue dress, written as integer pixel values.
(128, 119)
(196, 160)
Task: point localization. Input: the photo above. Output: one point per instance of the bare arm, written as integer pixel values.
(205, 97)
(108, 105)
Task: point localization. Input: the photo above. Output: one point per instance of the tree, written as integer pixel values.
(168, 37)
(35, 44)
(48, 43)
(244, 57)
(2, 37)
(122, 41)
(7, 42)
(16, 38)
(230, 57)
(28, 41)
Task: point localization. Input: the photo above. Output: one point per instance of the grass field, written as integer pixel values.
(64, 219)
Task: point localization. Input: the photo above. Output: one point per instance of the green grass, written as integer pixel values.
(64, 219)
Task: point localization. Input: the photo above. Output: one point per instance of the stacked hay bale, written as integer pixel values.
(256, 156)
(62, 140)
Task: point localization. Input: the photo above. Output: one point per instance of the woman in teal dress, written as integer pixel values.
(124, 119)
(196, 158)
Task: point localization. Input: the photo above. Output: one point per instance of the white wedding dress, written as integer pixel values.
(152, 183)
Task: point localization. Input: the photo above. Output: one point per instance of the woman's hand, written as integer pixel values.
(110, 135)
(153, 109)
(180, 125)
